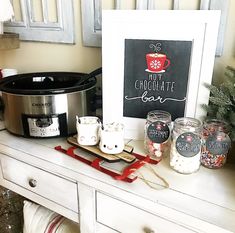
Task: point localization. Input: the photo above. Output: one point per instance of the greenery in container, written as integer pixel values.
(222, 101)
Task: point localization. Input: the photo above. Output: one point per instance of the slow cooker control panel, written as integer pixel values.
(48, 127)
(44, 125)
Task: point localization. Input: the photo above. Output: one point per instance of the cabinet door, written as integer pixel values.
(126, 218)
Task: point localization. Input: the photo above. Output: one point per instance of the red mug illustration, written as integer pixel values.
(157, 62)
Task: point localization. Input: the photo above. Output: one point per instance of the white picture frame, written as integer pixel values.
(200, 28)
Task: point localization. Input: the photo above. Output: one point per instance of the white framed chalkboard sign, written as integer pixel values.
(156, 60)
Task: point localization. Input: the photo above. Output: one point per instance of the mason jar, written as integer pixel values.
(157, 134)
(186, 145)
(216, 143)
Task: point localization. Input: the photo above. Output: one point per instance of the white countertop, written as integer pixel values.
(207, 194)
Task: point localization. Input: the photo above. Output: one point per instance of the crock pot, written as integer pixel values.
(46, 104)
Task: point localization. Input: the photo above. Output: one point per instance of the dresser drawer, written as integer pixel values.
(126, 218)
(38, 181)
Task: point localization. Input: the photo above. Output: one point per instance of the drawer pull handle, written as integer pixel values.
(148, 230)
(32, 183)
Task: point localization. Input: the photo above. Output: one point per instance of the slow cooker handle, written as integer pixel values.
(90, 75)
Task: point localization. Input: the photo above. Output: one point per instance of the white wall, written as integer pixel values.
(35, 56)
(228, 57)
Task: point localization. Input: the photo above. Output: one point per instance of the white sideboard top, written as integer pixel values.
(208, 195)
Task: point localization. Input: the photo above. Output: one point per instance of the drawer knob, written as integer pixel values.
(148, 230)
(32, 183)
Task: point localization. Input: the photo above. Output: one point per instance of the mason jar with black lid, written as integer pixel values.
(216, 143)
(157, 134)
(186, 145)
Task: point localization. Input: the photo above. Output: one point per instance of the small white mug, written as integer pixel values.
(8, 72)
(112, 138)
(88, 130)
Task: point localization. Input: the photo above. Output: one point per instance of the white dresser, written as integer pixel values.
(200, 202)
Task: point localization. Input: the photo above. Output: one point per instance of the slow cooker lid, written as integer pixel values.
(47, 83)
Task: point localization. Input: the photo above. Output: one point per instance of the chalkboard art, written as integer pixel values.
(155, 76)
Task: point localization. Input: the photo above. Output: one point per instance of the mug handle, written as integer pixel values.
(167, 64)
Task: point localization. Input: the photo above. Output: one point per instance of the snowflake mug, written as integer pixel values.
(157, 62)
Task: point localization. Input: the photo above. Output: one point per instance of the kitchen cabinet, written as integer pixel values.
(92, 16)
(200, 202)
(46, 21)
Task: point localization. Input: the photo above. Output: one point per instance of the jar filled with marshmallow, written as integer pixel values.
(157, 134)
(186, 145)
(216, 143)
